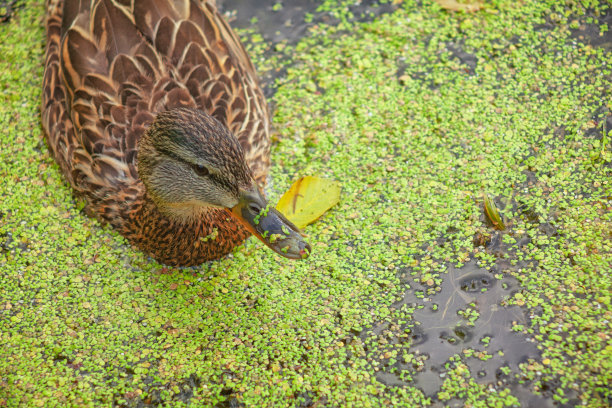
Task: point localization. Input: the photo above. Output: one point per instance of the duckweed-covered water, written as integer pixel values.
(411, 296)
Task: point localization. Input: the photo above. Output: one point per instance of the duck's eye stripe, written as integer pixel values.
(170, 154)
(198, 168)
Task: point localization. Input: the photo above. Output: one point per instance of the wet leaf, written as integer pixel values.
(455, 5)
(308, 199)
(492, 213)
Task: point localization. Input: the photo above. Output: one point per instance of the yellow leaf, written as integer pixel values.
(492, 213)
(455, 5)
(308, 199)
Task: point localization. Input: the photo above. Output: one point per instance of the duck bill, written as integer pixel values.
(270, 226)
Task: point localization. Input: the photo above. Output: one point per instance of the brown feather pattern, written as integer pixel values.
(111, 67)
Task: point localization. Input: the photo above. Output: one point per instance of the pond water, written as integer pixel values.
(431, 308)
(469, 313)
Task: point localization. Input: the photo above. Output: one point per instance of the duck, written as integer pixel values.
(154, 113)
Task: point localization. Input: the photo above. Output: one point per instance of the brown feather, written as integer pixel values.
(113, 29)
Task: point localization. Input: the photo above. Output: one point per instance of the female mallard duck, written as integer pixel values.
(153, 111)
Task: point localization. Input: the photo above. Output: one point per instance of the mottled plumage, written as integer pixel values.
(113, 66)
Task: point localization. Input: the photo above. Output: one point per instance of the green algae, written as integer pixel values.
(416, 114)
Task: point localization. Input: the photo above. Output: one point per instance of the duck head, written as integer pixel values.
(189, 162)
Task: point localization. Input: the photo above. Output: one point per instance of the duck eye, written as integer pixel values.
(200, 170)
